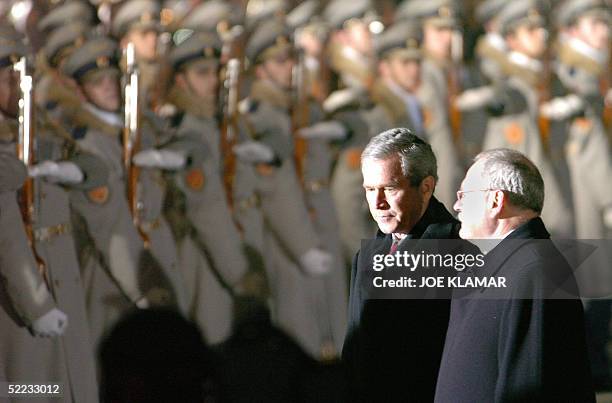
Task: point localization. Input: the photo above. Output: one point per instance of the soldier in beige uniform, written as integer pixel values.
(68, 359)
(97, 128)
(351, 58)
(521, 24)
(439, 81)
(211, 251)
(395, 92)
(578, 137)
(580, 148)
(108, 245)
(28, 309)
(480, 97)
(298, 268)
(314, 157)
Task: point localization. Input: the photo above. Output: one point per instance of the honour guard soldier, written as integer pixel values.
(293, 253)
(350, 53)
(578, 134)
(210, 248)
(439, 86)
(521, 24)
(481, 98)
(108, 244)
(314, 161)
(97, 128)
(55, 168)
(580, 148)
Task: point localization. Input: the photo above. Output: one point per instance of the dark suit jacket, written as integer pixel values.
(523, 347)
(393, 347)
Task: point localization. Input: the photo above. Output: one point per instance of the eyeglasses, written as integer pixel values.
(460, 193)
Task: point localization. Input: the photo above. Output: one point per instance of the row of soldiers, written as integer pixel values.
(206, 155)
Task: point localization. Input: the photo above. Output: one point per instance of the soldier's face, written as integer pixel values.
(9, 91)
(473, 205)
(201, 78)
(529, 40)
(145, 43)
(102, 90)
(404, 72)
(437, 40)
(592, 31)
(395, 205)
(279, 70)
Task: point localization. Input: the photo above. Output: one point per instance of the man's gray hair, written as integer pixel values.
(417, 159)
(512, 172)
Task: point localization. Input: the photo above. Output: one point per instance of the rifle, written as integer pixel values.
(131, 138)
(229, 125)
(454, 86)
(25, 153)
(300, 112)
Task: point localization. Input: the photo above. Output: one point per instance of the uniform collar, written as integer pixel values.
(267, 92)
(110, 118)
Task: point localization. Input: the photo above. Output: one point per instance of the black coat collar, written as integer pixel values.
(532, 229)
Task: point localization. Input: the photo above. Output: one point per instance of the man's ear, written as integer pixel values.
(496, 202)
(427, 186)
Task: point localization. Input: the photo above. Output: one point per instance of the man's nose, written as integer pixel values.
(457, 206)
(381, 200)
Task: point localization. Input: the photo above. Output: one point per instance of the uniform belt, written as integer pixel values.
(316, 186)
(248, 202)
(148, 226)
(47, 233)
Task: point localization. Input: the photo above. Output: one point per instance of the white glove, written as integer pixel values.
(330, 130)
(340, 98)
(163, 159)
(561, 107)
(57, 172)
(254, 152)
(316, 262)
(166, 111)
(142, 303)
(475, 98)
(51, 324)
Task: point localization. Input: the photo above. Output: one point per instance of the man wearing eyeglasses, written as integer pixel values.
(521, 345)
